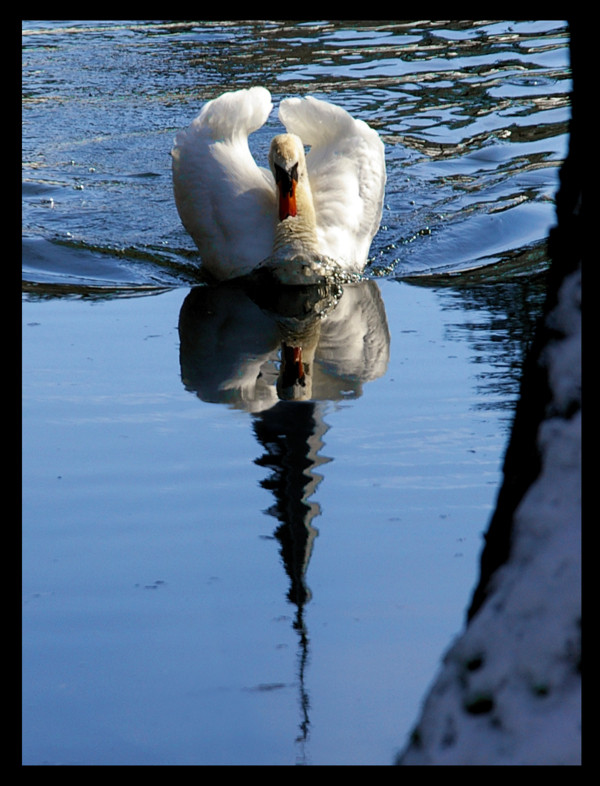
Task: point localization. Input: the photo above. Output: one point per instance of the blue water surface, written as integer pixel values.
(212, 575)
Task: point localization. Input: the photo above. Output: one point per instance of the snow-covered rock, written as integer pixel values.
(509, 690)
(509, 687)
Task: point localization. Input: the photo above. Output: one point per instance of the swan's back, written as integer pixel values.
(225, 201)
(346, 167)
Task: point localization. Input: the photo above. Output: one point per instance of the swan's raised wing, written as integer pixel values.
(225, 201)
(346, 167)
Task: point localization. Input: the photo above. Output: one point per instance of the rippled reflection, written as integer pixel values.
(234, 351)
(237, 343)
(292, 437)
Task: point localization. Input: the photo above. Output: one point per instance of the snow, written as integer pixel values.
(509, 688)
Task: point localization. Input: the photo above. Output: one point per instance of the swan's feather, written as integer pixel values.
(346, 168)
(226, 202)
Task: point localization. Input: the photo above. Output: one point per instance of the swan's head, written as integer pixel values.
(288, 165)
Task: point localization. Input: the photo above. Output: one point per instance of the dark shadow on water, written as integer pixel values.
(502, 302)
(292, 436)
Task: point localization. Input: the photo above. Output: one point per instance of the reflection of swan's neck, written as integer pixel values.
(297, 362)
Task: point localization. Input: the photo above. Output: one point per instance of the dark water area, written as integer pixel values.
(213, 574)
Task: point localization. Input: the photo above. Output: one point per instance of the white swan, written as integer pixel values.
(303, 211)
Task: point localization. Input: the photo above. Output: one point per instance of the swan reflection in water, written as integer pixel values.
(281, 354)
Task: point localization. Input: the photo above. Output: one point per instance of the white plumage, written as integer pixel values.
(322, 207)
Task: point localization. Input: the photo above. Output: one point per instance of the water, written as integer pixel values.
(211, 575)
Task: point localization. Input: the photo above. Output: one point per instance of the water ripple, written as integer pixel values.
(474, 116)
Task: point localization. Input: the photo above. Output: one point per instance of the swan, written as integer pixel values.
(307, 213)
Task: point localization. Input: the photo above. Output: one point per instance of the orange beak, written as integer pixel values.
(286, 183)
(287, 200)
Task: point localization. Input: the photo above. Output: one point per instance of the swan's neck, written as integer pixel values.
(297, 235)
